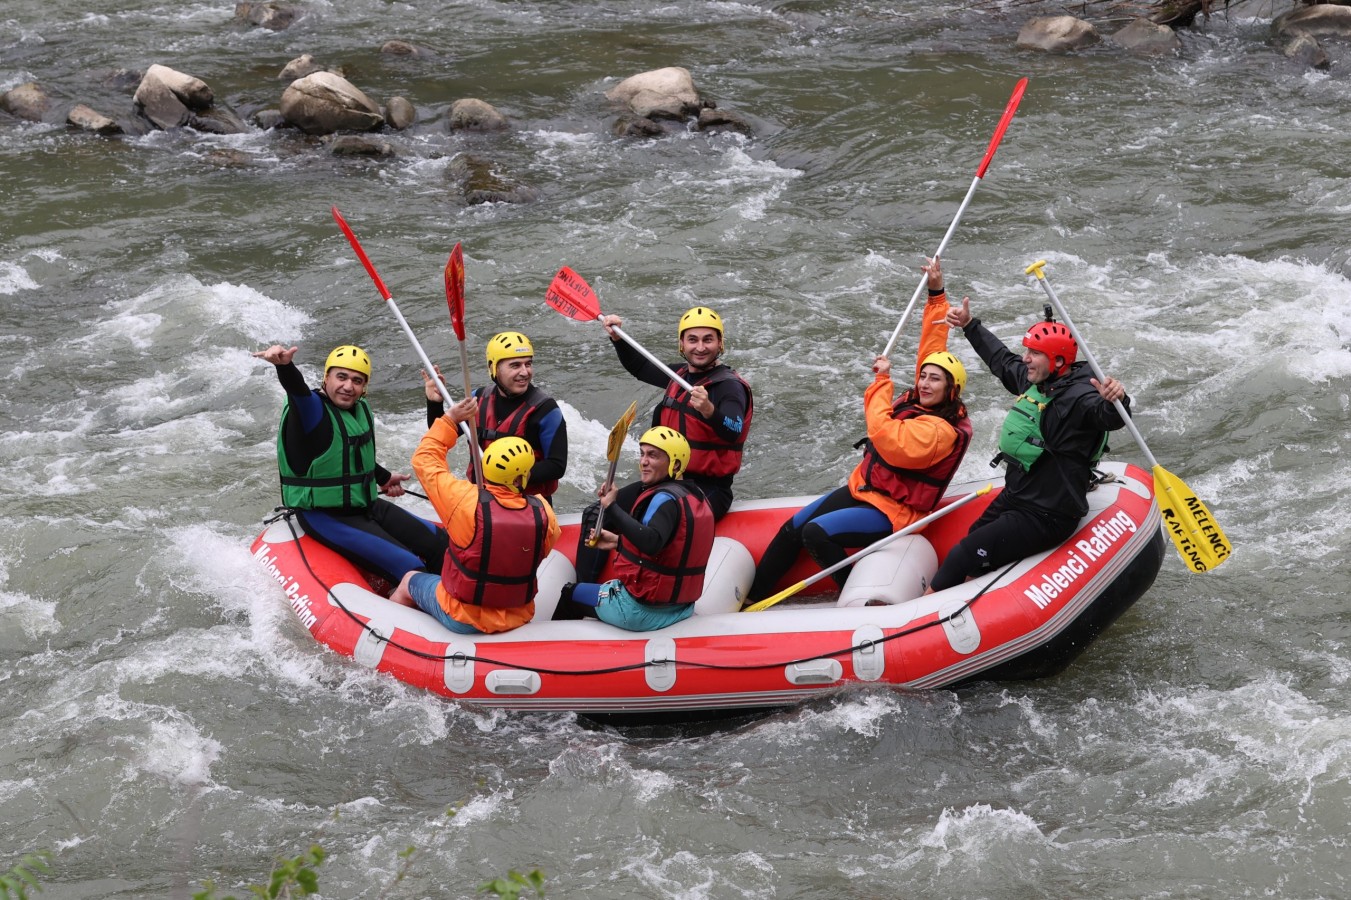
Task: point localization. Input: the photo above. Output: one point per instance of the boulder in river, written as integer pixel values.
(325, 103)
(1057, 34)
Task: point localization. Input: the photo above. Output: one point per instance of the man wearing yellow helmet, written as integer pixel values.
(499, 534)
(912, 450)
(329, 476)
(515, 406)
(661, 530)
(715, 417)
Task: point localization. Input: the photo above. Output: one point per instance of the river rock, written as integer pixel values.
(360, 145)
(171, 99)
(472, 114)
(627, 125)
(403, 48)
(325, 103)
(27, 101)
(399, 113)
(1057, 34)
(82, 117)
(660, 94)
(714, 119)
(1147, 39)
(480, 184)
(272, 16)
(1304, 48)
(299, 67)
(1322, 20)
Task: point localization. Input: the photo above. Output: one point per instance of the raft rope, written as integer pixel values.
(288, 515)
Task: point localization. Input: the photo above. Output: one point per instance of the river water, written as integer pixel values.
(166, 720)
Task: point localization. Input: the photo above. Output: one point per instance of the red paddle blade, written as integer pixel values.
(361, 254)
(572, 296)
(1004, 121)
(455, 290)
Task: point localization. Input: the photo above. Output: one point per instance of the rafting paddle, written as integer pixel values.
(455, 300)
(389, 300)
(570, 295)
(1195, 533)
(876, 545)
(1004, 121)
(612, 448)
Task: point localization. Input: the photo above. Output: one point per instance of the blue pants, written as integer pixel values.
(385, 540)
(829, 528)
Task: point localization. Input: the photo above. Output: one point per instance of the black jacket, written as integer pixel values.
(1072, 426)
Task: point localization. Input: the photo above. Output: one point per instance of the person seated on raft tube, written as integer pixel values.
(326, 456)
(515, 407)
(912, 450)
(715, 417)
(498, 533)
(1051, 439)
(661, 530)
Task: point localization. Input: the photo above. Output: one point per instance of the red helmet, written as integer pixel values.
(1054, 340)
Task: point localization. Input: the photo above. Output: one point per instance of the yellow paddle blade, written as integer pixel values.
(617, 433)
(781, 595)
(1196, 534)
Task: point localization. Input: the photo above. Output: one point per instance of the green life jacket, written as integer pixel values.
(1021, 441)
(343, 476)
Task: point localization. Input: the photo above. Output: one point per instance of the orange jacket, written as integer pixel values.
(915, 443)
(455, 500)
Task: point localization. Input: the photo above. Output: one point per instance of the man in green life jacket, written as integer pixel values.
(1051, 439)
(329, 476)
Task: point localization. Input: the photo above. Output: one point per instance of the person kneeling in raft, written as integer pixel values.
(498, 534)
(662, 537)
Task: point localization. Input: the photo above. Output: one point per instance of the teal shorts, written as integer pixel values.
(623, 610)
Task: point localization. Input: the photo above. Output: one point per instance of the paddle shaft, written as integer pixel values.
(871, 548)
(1010, 108)
(1036, 269)
(412, 338)
(670, 373)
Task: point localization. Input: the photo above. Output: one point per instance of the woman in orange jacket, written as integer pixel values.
(913, 448)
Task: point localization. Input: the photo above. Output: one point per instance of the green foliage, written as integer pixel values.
(511, 886)
(290, 878)
(21, 878)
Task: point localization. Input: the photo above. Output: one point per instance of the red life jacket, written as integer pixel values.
(514, 425)
(497, 569)
(919, 489)
(710, 453)
(676, 574)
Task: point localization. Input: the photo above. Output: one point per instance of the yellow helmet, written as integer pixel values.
(700, 317)
(349, 357)
(950, 364)
(507, 345)
(673, 444)
(508, 459)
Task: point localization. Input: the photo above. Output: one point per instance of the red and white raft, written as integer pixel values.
(1027, 621)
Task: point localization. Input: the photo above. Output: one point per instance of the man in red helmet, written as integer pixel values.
(1051, 438)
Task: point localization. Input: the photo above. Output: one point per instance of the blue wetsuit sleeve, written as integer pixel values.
(551, 437)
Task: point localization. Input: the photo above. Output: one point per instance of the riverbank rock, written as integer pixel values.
(472, 114)
(325, 103)
(170, 99)
(1057, 34)
(660, 94)
(1304, 48)
(399, 113)
(28, 101)
(1147, 39)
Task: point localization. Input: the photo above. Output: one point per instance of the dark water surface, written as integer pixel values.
(165, 718)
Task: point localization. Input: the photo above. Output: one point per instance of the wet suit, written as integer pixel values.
(382, 538)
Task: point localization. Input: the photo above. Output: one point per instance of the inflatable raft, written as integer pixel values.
(1028, 620)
